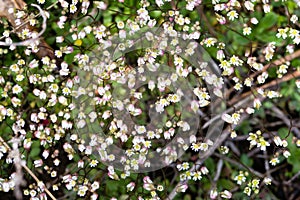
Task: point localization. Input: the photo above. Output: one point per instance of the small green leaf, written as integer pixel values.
(246, 160)
(35, 150)
(268, 21)
(226, 184)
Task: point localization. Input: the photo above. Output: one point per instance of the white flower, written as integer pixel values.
(195, 147)
(5, 187)
(204, 170)
(255, 183)
(95, 186)
(249, 5)
(16, 89)
(64, 69)
(80, 164)
(247, 31)
(232, 15)
(235, 118)
(227, 118)
(274, 161)
(298, 83)
(41, 1)
(38, 163)
(45, 154)
(213, 194)
(278, 141)
(226, 194)
(130, 186)
(106, 114)
(263, 144)
(282, 33)
(63, 100)
(240, 178)
(140, 129)
(94, 163)
(267, 181)
(15, 101)
(256, 103)
(286, 154)
(204, 146)
(19, 77)
(159, 2)
(294, 18)
(182, 188)
(54, 88)
(159, 108)
(82, 190)
(247, 191)
(185, 166)
(73, 8)
(267, 8)
(59, 39)
(254, 20)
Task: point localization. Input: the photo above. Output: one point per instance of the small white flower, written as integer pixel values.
(278, 141)
(182, 188)
(41, 1)
(249, 5)
(286, 154)
(213, 194)
(267, 181)
(16, 89)
(227, 118)
(294, 18)
(298, 83)
(73, 8)
(247, 31)
(5, 187)
(232, 15)
(130, 186)
(226, 194)
(254, 20)
(274, 161)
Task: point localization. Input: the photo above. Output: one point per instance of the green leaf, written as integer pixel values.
(246, 160)
(244, 127)
(272, 72)
(293, 160)
(210, 164)
(226, 184)
(35, 150)
(268, 37)
(237, 38)
(268, 104)
(187, 197)
(268, 21)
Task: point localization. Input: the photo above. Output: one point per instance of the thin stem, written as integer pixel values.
(39, 183)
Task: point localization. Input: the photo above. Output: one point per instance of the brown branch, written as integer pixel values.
(5, 7)
(292, 179)
(211, 30)
(279, 113)
(39, 183)
(279, 61)
(285, 78)
(240, 165)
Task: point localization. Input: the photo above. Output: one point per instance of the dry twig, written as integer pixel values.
(39, 183)
(6, 6)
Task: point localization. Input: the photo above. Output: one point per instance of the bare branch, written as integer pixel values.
(34, 39)
(39, 183)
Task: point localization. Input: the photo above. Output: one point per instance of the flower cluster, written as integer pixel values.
(115, 88)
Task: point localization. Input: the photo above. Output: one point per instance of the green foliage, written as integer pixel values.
(293, 160)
